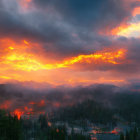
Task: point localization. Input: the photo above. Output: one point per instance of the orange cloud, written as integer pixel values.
(18, 58)
(99, 81)
(19, 61)
(128, 30)
(132, 30)
(24, 4)
(136, 11)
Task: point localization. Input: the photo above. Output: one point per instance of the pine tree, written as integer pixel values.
(127, 136)
(135, 133)
(131, 136)
(122, 136)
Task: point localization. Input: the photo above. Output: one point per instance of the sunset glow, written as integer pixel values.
(136, 11)
(132, 30)
(50, 46)
(18, 58)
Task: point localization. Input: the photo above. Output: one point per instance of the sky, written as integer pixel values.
(70, 42)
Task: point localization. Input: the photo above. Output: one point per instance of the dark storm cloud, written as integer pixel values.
(12, 27)
(40, 30)
(70, 26)
(96, 14)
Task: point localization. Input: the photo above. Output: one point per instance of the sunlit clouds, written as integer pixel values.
(136, 11)
(69, 42)
(19, 62)
(132, 30)
(19, 57)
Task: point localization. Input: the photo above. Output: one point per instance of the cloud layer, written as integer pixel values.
(38, 35)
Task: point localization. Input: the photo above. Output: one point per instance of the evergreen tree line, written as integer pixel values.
(13, 129)
(10, 127)
(130, 135)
